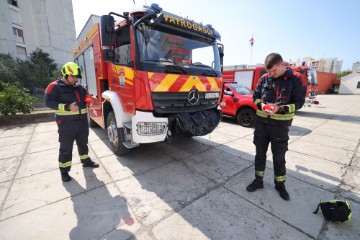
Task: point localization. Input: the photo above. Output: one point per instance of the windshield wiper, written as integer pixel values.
(210, 70)
(174, 64)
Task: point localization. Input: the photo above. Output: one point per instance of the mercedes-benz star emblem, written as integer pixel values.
(193, 97)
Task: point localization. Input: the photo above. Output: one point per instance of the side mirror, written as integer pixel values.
(107, 30)
(221, 53)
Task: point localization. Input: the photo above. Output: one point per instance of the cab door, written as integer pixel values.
(229, 102)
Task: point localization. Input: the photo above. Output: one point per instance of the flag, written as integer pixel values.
(251, 41)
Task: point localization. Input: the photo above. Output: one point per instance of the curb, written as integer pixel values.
(27, 118)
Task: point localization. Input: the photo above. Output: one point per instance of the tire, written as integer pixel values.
(187, 135)
(116, 135)
(246, 117)
(91, 122)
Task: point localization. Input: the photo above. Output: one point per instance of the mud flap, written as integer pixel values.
(198, 123)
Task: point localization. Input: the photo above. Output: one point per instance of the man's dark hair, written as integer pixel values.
(272, 59)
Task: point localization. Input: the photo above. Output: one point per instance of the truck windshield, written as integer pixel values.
(173, 52)
(312, 78)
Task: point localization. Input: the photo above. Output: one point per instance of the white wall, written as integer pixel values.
(349, 84)
(6, 32)
(50, 25)
(47, 24)
(88, 25)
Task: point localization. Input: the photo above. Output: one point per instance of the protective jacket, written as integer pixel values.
(287, 91)
(59, 96)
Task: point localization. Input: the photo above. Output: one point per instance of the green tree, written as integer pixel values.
(343, 74)
(23, 74)
(14, 99)
(8, 68)
(42, 67)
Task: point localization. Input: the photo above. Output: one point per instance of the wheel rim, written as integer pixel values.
(245, 119)
(113, 133)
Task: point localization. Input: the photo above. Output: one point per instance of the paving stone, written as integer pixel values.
(242, 148)
(216, 165)
(224, 215)
(33, 192)
(157, 193)
(16, 150)
(8, 168)
(296, 212)
(181, 148)
(85, 215)
(316, 171)
(313, 149)
(121, 167)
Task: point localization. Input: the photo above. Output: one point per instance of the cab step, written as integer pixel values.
(130, 144)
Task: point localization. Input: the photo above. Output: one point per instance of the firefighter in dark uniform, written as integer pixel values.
(279, 93)
(67, 97)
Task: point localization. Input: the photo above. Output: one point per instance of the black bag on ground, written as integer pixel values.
(335, 210)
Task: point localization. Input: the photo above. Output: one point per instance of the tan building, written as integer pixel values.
(26, 25)
(329, 65)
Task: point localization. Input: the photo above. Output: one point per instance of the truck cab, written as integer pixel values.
(151, 74)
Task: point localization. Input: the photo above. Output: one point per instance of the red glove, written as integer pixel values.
(269, 108)
(88, 100)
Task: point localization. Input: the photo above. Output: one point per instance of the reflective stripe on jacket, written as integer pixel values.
(287, 91)
(59, 95)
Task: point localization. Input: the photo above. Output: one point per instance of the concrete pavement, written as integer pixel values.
(190, 189)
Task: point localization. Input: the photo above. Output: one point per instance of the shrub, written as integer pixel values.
(14, 99)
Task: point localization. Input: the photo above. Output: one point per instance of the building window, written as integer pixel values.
(358, 86)
(21, 52)
(13, 2)
(19, 35)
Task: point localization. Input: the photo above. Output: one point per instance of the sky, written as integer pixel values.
(295, 29)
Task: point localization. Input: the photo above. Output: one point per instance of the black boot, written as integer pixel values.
(65, 177)
(90, 164)
(282, 192)
(255, 185)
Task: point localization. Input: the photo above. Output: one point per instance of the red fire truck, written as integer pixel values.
(249, 77)
(151, 75)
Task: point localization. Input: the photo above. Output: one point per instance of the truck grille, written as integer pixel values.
(176, 102)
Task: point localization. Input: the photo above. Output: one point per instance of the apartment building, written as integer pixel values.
(46, 24)
(329, 65)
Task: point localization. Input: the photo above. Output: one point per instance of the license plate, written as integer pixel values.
(211, 95)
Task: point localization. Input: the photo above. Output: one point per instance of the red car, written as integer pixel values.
(237, 102)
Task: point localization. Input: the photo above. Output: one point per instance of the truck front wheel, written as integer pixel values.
(116, 135)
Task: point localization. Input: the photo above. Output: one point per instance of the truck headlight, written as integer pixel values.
(151, 128)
